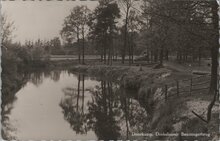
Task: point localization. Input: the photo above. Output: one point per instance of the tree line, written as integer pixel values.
(124, 28)
(160, 28)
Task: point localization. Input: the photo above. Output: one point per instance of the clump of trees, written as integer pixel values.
(162, 29)
(76, 27)
(54, 46)
(177, 27)
(187, 29)
(103, 29)
(127, 6)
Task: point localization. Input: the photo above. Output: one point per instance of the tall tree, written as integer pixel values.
(134, 25)
(126, 5)
(215, 47)
(75, 26)
(103, 27)
(184, 24)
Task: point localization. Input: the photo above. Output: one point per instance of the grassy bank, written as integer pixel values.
(172, 116)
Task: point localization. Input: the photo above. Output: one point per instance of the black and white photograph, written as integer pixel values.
(110, 70)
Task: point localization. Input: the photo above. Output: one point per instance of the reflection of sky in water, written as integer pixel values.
(46, 108)
(37, 114)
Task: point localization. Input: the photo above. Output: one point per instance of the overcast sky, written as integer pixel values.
(39, 19)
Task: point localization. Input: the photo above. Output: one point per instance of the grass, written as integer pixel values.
(173, 116)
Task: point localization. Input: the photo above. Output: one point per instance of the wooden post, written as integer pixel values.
(190, 89)
(165, 92)
(177, 88)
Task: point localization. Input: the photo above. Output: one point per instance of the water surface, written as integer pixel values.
(59, 105)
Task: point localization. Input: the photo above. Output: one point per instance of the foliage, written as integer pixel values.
(177, 26)
(74, 23)
(103, 27)
(75, 27)
(6, 30)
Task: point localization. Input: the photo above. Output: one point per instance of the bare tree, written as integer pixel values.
(7, 27)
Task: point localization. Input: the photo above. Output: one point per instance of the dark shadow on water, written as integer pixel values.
(72, 110)
(109, 112)
(38, 76)
(12, 81)
(106, 109)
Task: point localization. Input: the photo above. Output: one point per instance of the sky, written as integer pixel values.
(39, 19)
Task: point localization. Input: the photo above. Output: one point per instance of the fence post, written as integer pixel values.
(165, 92)
(177, 88)
(190, 89)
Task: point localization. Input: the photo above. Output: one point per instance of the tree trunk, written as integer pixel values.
(156, 55)
(109, 55)
(177, 56)
(148, 56)
(132, 55)
(129, 49)
(125, 37)
(83, 91)
(79, 49)
(101, 57)
(180, 59)
(167, 54)
(132, 48)
(104, 53)
(113, 50)
(151, 56)
(161, 55)
(215, 48)
(78, 94)
(200, 55)
(83, 47)
(192, 59)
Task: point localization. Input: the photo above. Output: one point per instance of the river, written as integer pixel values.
(58, 105)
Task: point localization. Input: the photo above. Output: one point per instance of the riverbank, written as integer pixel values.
(172, 116)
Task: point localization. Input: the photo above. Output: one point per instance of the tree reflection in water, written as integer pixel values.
(110, 113)
(38, 76)
(73, 112)
(12, 81)
(103, 112)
